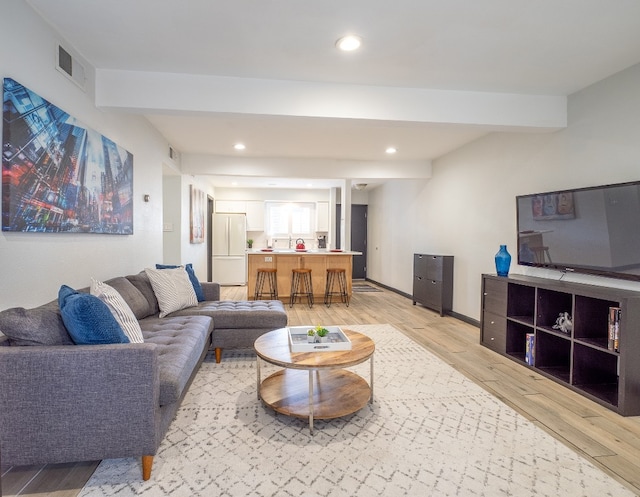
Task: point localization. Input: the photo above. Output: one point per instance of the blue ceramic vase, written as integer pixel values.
(503, 261)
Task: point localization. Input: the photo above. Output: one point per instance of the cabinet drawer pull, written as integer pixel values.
(492, 338)
(493, 322)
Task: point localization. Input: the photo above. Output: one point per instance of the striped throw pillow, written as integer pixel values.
(173, 289)
(119, 308)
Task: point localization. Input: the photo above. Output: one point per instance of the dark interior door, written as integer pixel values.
(358, 238)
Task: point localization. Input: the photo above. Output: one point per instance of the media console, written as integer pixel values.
(518, 308)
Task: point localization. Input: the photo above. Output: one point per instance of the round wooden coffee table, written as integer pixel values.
(314, 385)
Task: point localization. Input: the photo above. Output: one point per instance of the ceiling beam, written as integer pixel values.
(149, 92)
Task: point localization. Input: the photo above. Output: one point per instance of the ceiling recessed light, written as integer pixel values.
(391, 150)
(349, 43)
(239, 146)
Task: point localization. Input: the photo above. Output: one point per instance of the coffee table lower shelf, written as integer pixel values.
(334, 393)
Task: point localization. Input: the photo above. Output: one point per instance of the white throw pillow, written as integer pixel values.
(119, 308)
(173, 289)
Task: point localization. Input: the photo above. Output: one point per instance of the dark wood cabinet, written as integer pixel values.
(517, 307)
(433, 281)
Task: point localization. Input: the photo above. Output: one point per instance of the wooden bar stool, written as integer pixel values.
(336, 276)
(269, 275)
(301, 285)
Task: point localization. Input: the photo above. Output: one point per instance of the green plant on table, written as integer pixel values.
(311, 332)
(321, 332)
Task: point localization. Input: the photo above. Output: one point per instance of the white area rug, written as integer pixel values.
(429, 432)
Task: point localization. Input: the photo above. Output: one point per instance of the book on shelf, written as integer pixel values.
(613, 329)
(530, 355)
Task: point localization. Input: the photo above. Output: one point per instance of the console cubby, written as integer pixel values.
(591, 321)
(521, 303)
(596, 372)
(516, 339)
(517, 305)
(553, 355)
(551, 304)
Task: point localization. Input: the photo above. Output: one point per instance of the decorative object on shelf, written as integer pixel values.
(564, 323)
(503, 261)
(529, 348)
(613, 334)
(250, 243)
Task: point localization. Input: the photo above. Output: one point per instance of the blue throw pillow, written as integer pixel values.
(195, 282)
(87, 319)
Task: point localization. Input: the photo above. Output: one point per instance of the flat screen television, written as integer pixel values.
(592, 230)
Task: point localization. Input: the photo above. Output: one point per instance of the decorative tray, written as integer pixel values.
(335, 250)
(266, 250)
(336, 340)
(301, 250)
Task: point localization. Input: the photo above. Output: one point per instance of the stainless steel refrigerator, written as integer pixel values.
(229, 249)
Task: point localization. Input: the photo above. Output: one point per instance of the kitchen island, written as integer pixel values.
(286, 260)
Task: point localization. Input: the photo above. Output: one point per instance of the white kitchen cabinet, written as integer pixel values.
(322, 216)
(231, 206)
(255, 215)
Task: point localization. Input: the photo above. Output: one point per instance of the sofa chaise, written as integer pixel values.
(61, 402)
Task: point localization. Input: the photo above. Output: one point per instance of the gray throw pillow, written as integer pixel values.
(142, 283)
(38, 326)
(131, 295)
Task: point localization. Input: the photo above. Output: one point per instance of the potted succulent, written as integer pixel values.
(250, 243)
(311, 336)
(322, 333)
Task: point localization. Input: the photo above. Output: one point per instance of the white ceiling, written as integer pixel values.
(524, 47)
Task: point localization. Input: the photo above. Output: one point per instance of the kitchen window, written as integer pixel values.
(290, 219)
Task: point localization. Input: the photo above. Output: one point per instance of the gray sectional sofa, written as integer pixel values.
(61, 402)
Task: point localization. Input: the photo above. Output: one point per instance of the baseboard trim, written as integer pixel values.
(461, 317)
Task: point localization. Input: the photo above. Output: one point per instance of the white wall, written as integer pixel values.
(172, 219)
(194, 253)
(33, 266)
(281, 194)
(178, 248)
(467, 208)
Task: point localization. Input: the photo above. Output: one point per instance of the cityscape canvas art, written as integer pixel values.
(58, 175)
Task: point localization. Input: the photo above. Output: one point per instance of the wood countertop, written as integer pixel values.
(301, 252)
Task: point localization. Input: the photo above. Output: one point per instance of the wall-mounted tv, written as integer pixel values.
(592, 230)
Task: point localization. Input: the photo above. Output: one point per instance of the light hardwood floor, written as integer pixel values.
(609, 441)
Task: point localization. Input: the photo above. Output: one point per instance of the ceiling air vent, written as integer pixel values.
(173, 154)
(70, 67)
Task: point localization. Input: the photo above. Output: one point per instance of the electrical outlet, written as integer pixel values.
(268, 259)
